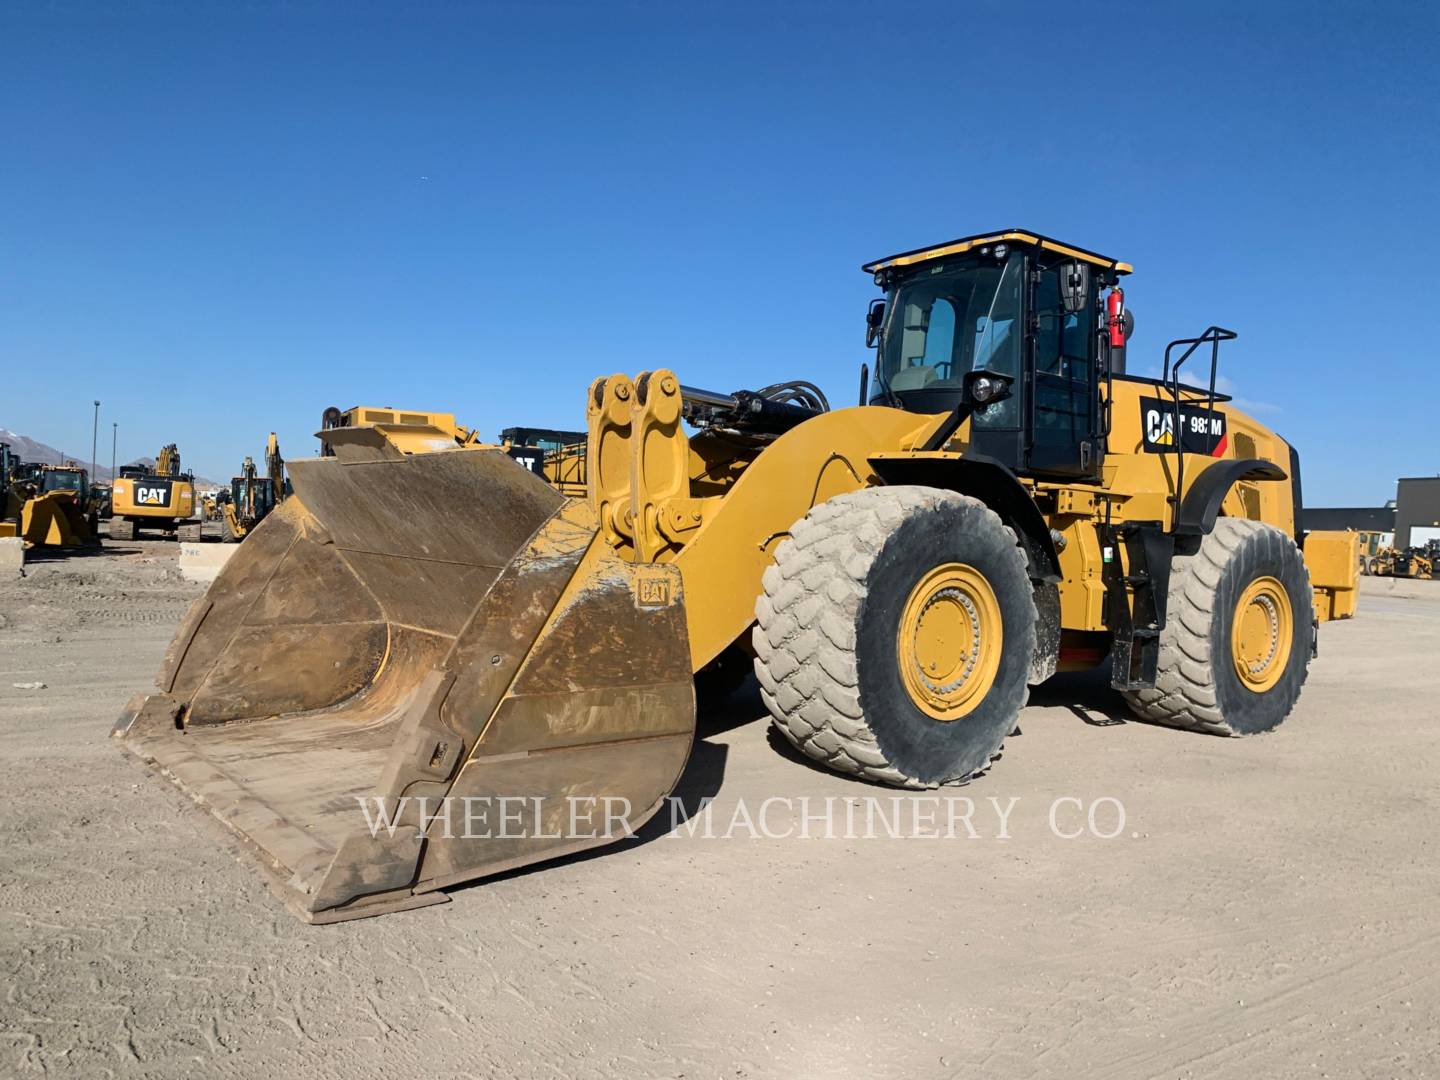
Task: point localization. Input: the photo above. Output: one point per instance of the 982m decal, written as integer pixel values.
(1202, 430)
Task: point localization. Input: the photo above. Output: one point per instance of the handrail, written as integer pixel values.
(1171, 378)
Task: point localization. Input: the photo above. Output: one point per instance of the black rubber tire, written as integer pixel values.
(1196, 686)
(827, 624)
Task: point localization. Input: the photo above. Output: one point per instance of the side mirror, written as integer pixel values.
(1074, 286)
(984, 388)
(874, 320)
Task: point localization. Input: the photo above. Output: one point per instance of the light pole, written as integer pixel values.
(95, 444)
(114, 438)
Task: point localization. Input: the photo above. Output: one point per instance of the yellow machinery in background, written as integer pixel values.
(161, 498)
(1390, 561)
(46, 505)
(428, 623)
(253, 496)
(409, 431)
(1373, 545)
(558, 456)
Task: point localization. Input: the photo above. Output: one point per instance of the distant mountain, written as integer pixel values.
(25, 448)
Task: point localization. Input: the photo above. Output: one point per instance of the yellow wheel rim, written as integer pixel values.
(1261, 634)
(950, 641)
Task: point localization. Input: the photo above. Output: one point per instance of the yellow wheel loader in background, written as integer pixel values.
(47, 505)
(492, 668)
(253, 496)
(161, 498)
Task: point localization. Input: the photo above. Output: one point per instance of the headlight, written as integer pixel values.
(984, 389)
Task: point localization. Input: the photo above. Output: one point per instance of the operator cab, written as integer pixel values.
(1007, 329)
(66, 478)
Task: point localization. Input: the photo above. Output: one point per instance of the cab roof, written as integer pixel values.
(1022, 237)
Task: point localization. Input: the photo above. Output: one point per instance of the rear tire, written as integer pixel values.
(1238, 630)
(851, 671)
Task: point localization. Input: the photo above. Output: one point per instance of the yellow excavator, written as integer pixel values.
(252, 496)
(430, 665)
(161, 498)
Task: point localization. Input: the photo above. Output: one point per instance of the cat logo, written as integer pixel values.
(531, 457)
(652, 589)
(151, 496)
(1202, 431)
(1159, 427)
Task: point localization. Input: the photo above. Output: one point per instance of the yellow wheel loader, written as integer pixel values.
(430, 665)
(48, 505)
(161, 498)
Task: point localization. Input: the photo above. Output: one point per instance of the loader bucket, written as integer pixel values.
(418, 670)
(53, 520)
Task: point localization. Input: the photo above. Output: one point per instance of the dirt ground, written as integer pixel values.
(1270, 907)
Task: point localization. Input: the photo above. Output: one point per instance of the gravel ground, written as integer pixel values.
(1267, 909)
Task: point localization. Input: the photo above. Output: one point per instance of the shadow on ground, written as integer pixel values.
(67, 554)
(1087, 695)
(702, 779)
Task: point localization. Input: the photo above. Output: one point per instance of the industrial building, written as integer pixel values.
(1413, 516)
(1417, 511)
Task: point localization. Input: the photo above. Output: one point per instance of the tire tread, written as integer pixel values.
(804, 637)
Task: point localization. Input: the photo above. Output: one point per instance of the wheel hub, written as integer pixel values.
(950, 639)
(1261, 634)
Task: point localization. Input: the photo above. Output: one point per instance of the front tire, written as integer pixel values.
(895, 635)
(1238, 631)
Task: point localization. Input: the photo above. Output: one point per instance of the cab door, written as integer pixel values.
(1064, 399)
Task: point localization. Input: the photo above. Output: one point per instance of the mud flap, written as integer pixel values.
(417, 671)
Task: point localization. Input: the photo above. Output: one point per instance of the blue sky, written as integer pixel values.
(220, 218)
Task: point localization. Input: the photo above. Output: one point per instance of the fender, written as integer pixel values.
(1201, 504)
(992, 483)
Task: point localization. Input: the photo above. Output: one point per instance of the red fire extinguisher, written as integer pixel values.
(1115, 316)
